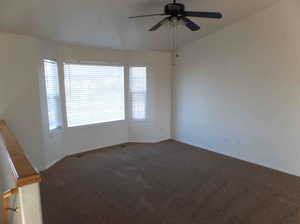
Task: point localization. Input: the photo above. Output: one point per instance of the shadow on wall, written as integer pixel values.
(24, 121)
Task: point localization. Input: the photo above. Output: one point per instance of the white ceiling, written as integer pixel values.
(104, 23)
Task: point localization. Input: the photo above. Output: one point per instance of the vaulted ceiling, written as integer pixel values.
(104, 23)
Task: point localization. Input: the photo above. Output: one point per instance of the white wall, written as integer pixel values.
(158, 123)
(19, 92)
(237, 91)
(22, 104)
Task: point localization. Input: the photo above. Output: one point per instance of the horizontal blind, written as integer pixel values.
(94, 94)
(53, 94)
(138, 92)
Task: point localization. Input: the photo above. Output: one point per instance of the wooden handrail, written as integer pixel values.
(21, 168)
(6, 204)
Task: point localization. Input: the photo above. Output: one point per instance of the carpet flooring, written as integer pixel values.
(166, 183)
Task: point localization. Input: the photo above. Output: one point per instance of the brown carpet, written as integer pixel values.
(166, 183)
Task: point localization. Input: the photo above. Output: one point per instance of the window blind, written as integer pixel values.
(138, 92)
(53, 94)
(94, 94)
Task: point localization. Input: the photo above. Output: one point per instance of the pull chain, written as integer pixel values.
(174, 41)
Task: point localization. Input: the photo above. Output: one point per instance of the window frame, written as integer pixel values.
(130, 103)
(94, 63)
(60, 128)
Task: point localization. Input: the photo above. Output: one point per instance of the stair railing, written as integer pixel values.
(26, 179)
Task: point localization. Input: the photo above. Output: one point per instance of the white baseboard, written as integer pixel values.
(52, 163)
(280, 169)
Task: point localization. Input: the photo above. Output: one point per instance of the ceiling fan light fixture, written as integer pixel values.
(174, 22)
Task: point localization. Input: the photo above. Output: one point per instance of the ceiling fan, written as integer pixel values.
(175, 12)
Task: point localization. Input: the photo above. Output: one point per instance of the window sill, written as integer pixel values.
(99, 125)
(140, 120)
(56, 132)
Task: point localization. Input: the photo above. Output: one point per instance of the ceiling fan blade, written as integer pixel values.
(190, 24)
(159, 24)
(161, 14)
(211, 15)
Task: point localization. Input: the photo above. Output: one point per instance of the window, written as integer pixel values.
(138, 92)
(53, 94)
(94, 94)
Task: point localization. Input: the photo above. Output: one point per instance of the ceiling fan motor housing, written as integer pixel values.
(174, 9)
